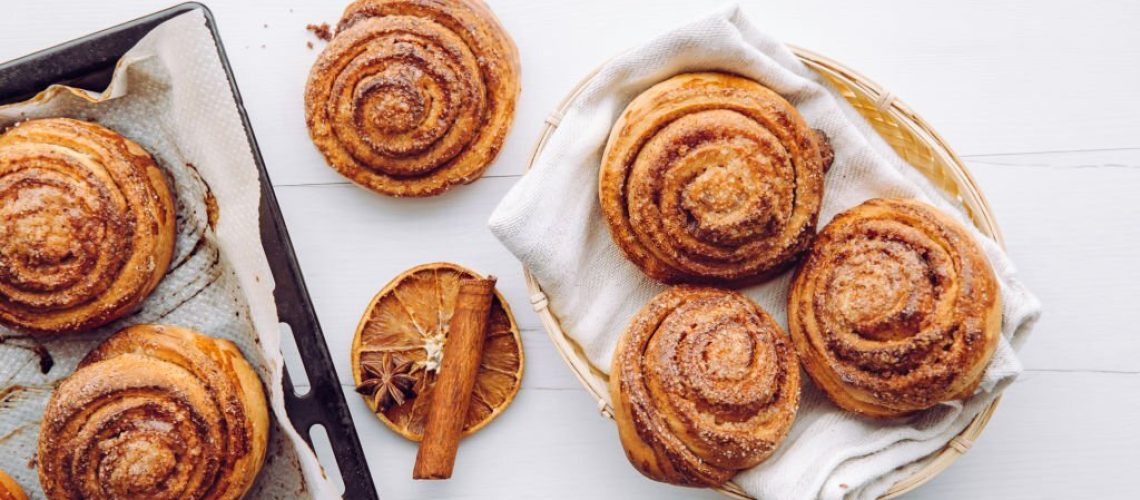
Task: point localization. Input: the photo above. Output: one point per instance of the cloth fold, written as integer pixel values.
(552, 222)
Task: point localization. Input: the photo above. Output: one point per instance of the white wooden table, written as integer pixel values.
(1040, 99)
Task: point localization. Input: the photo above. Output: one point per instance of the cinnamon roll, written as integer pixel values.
(155, 412)
(895, 309)
(413, 97)
(704, 384)
(712, 178)
(86, 225)
(10, 489)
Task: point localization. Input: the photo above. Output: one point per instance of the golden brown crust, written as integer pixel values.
(10, 489)
(704, 384)
(712, 178)
(155, 412)
(86, 225)
(895, 309)
(413, 97)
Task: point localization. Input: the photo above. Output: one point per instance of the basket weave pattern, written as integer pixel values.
(910, 137)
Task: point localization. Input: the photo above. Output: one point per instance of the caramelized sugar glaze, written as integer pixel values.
(10, 489)
(895, 309)
(413, 97)
(86, 225)
(712, 178)
(704, 384)
(155, 412)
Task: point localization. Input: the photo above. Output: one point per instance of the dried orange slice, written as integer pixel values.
(402, 334)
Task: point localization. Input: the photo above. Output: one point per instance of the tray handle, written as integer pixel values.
(324, 403)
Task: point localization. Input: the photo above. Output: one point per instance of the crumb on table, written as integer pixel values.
(322, 31)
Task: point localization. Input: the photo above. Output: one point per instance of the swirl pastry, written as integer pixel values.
(10, 489)
(704, 384)
(155, 412)
(712, 178)
(895, 309)
(86, 225)
(412, 97)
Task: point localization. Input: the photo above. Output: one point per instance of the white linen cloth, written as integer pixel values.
(552, 222)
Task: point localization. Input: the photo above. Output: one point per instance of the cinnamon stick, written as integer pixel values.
(452, 394)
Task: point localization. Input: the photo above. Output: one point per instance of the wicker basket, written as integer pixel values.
(914, 141)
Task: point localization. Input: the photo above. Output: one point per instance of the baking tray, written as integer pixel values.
(88, 63)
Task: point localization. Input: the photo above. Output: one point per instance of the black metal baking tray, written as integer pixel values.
(88, 63)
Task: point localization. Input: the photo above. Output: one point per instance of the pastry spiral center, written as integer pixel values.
(882, 291)
(139, 465)
(715, 193)
(715, 346)
(393, 103)
(731, 183)
(44, 233)
(722, 197)
(730, 356)
(62, 236)
(406, 95)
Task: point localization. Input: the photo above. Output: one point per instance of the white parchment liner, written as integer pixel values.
(170, 94)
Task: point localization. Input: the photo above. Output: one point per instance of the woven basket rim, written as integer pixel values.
(978, 208)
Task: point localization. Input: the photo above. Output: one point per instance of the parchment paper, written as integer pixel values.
(170, 94)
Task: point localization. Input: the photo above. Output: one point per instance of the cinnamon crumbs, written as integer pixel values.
(321, 31)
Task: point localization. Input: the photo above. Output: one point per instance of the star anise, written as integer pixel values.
(389, 382)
